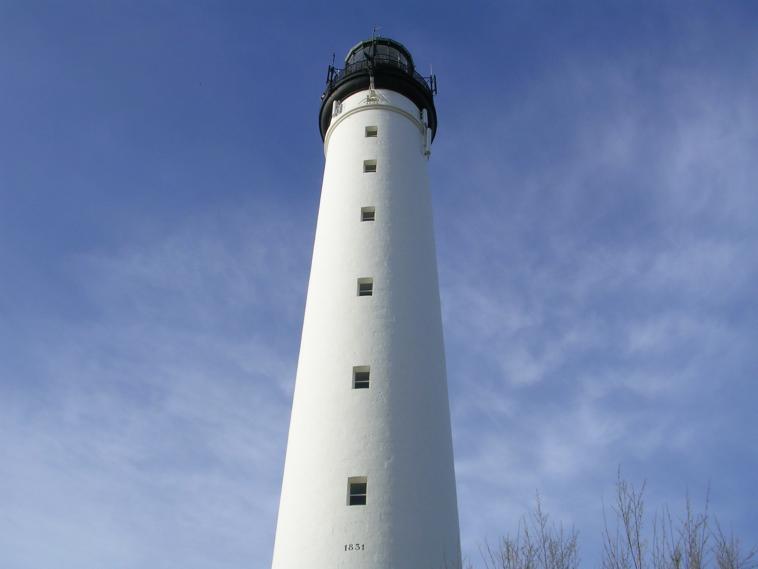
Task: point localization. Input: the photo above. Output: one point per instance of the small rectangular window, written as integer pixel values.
(357, 487)
(361, 375)
(366, 287)
(371, 131)
(368, 213)
(369, 166)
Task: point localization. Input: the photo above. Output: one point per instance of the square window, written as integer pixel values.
(366, 287)
(369, 166)
(371, 131)
(361, 375)
(368, 213)
(357, 490)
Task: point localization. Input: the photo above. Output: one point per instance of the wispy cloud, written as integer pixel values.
(593, 308)
(161, 423)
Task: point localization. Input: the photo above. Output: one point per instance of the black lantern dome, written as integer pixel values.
(392, 67)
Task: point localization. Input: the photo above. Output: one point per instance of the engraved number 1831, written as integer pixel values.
(355, 547)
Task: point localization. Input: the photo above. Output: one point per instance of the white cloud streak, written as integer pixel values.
(157, 431)
(592, 308)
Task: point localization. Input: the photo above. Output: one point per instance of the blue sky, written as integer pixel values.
(594, 184)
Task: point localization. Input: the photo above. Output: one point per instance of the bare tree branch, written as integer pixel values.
(537, 544)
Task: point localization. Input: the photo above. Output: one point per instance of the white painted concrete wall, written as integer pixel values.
(397, 432)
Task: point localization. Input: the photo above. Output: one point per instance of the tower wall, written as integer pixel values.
(396, 433)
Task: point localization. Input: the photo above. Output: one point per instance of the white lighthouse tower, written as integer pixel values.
(368, 479)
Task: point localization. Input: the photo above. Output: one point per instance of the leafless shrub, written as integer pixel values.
(537, 544)
(689, 543)
(625, 547)
(729, 553)
(632, 539)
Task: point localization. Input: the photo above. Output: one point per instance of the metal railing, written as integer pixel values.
(335, 75)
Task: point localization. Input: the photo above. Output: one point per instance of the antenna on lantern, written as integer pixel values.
(372, 97)
(331, 72)
(432, 80)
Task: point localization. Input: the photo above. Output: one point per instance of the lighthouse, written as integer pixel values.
(368, 478)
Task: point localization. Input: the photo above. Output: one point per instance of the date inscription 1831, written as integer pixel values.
(355, 547)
